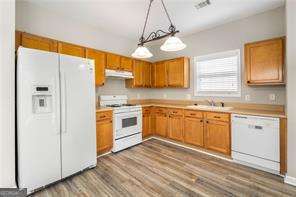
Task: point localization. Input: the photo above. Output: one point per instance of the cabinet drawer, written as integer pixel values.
(193, 114)
(104, 115)
(146, 110)
(176, 112)
(160, 110)
(217, 116)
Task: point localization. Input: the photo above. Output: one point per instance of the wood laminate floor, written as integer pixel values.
(157, 168)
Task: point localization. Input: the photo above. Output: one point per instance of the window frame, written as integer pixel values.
(222, 54)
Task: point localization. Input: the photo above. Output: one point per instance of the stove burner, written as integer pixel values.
(114, 105)
(128, 105)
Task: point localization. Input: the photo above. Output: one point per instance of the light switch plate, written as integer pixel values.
(165, 96)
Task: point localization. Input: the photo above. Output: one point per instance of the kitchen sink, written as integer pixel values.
(208, 107)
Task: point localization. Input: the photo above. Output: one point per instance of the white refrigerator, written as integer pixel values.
(56, 131)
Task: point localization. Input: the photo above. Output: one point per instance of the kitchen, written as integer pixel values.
(199, 118)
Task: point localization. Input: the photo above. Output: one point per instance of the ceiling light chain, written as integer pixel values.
(171, 44)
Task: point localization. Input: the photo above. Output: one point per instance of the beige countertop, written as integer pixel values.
(254, 112)
(102, 109)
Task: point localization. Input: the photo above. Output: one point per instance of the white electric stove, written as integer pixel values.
(127, 121)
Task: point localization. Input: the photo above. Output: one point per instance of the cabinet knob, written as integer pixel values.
(201, 120)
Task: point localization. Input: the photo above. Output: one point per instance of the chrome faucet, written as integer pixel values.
(211, 102)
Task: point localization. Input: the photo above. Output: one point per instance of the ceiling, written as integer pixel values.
(126, 17)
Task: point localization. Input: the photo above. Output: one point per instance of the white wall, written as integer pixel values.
(37, 20)
(7, 135)
(291, 93)
(228, 37)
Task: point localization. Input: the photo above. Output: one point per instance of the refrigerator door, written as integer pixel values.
(78, 121)
(38, 118)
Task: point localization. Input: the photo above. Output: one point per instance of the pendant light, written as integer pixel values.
(173, 43)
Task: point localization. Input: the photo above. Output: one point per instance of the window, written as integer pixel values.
(218, 74)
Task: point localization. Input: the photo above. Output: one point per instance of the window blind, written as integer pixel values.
(218, 74)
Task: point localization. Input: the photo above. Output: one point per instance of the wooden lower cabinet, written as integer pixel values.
(194, 131)
(161, 124)
(146, 122)
(175, 127)
(104, 133)
(217, 136)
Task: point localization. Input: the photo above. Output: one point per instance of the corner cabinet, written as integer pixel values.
(159, 75)
(100, 61)
(142, 75)
(264, 62)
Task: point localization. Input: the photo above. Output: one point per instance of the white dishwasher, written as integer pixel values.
(255, 142)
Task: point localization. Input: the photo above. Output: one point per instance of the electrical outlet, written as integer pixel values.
(247, 97)
(188, 96)
(272, 97)
(138, 96)
(165, 96)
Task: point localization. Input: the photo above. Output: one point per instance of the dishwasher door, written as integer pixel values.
(256, 136)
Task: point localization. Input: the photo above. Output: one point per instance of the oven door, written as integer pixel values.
(127, 124)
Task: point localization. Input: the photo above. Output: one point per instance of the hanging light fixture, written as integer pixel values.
(173, 43)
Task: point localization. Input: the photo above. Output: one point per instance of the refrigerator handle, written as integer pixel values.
(64, 103)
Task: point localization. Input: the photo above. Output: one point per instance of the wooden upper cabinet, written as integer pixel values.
(146, 74)
(137, 72)
(100, 62)
(217, 136)
(113, 61)
(178, 72)
(264, 62)
(159, 75)
(38, 42)
(71, 49)
(126, 63)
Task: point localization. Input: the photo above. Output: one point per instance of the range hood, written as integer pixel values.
(118, 74)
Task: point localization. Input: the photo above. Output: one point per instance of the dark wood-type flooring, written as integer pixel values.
(157, 168)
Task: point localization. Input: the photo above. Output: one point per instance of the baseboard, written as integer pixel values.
(200, 151)
(290, 180)
(107, 153)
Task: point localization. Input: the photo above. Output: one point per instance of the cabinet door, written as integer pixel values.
(100, 62)
(194, 131)
(146, 74)
(37, 42)
(161, 125)
(159, 75)
(175, 130)
(126, 63)
(146, 130)
(71, 49)
(265, 62)
(104, 136)
(137, 72)
(113, 61)
(175, 72)
(217, 136)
